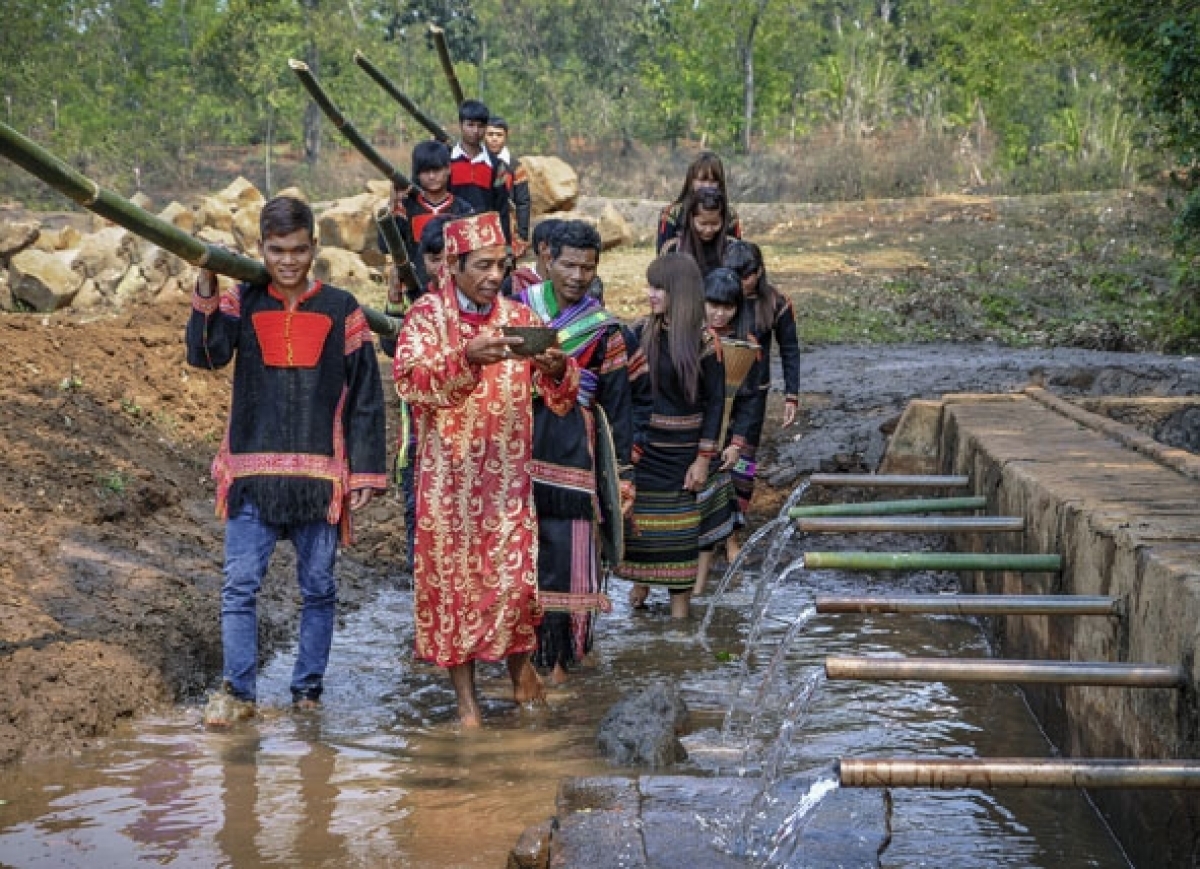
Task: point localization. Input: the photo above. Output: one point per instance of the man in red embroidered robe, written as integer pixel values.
(475, 570)
(305, 443)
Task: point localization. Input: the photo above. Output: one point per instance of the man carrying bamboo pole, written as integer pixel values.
(305, 444)
(429, 197)
(475, 175)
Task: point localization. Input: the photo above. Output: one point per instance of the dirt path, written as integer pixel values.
(110, 554)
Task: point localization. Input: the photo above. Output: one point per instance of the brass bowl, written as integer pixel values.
(538, 339)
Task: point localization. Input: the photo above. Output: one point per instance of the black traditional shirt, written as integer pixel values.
(306, 423)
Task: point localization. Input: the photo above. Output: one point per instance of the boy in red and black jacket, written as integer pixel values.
(475, 175)
(429, 197)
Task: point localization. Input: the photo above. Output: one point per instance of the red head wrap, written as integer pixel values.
(474, 232)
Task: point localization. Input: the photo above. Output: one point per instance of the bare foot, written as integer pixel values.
(732, 549)
(638, 595)
(681, 605)
(462, 677)
(558, 676)
(527, 684)
(469, 720)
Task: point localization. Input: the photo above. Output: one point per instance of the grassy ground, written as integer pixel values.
(1084, 270)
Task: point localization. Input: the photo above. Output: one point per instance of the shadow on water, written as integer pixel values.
(381, 776)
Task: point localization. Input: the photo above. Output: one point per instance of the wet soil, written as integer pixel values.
(110, 556)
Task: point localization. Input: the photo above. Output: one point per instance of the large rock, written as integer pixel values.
(212, 235)
(16, 237)
(343, 268)
(614, 229)
(553, 185)
(380, 188)
(67, 237)
(348, 223)
(643, 729)
(63, 238)
(132, 288)
(89, 297)
(215, 213)
(179, 216)
(245, 226)
(241, 194)
(107, 282)
(43, 281)
(111, 248)
(158, 265)
(176, 291)
(142, 201)
(293, 193)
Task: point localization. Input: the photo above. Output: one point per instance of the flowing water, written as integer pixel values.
(381, 777)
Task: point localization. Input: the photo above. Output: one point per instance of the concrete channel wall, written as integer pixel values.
(1124, 513)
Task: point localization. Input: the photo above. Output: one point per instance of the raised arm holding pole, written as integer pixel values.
(40, 163)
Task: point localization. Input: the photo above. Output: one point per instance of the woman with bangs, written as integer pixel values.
(675, 432)
(706, 172)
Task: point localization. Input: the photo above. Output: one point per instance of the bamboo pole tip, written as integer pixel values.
(298, 65)
(359, 56)
(435, 29)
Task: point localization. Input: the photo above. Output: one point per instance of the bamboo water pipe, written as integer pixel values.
(862, 772)
(997, 561)
(891, 481)
(1101, 673)
(974, 604)
(891, 508)
(910, 524)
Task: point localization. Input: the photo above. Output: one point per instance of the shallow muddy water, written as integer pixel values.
(381, 777)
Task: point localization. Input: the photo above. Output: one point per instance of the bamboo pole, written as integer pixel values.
(346, 128)
(911, 524)
(439, 40)
(386, 221)
(863, 772)
(435, 129)
(1002, 561)
(892, 508)
(973, 604)
(40, 163)
(1101, 673)
(890, 481)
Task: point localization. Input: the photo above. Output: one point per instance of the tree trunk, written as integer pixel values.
(482, 97)
(747, 98)
(748, 76)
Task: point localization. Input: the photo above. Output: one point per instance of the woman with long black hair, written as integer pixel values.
(675, 432)
(772, 320)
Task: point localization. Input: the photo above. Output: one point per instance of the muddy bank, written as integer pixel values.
(110, 555)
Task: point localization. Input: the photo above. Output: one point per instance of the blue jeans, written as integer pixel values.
(249, 542)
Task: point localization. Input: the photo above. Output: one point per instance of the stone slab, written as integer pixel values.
(686, 822)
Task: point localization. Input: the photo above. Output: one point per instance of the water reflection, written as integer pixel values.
(381, 776)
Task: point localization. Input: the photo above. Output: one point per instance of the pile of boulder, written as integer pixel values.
(44, 268)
